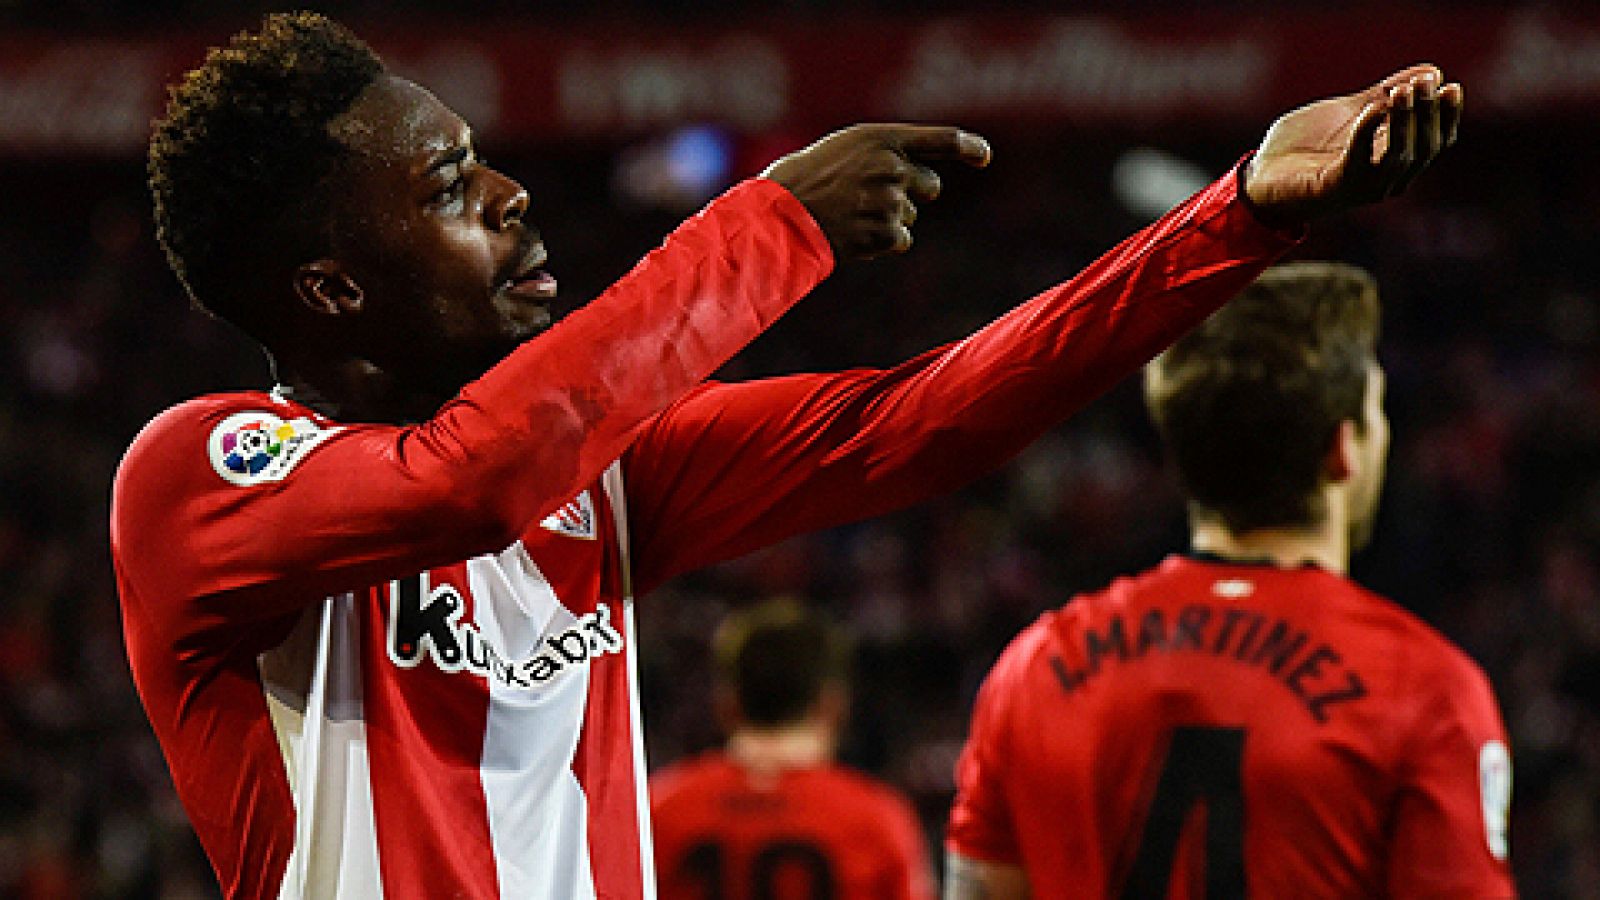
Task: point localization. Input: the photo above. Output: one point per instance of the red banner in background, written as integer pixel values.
(524, 82)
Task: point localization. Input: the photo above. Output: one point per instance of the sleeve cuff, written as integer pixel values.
(1294, 233)
(787, 206)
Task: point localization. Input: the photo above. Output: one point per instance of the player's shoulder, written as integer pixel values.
(1437, 654)
(158, 451)
(1429, 676)
(210, 442)
(1036, 642)
(868, 803)
(1030, 648)
(1129, 589)
(1039, 640)
(239, 435)
(688, 776)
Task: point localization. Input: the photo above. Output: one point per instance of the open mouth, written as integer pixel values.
(536, 284)
(531, 281)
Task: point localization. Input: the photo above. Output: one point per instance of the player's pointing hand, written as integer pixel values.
(1354, 149)
(862, 183)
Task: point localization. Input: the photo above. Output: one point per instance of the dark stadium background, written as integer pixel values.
(1490, 271)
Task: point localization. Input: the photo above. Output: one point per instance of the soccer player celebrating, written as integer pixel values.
(773, 815)
(380, 617)
(1244, 720)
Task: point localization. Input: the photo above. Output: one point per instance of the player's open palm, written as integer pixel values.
(1357, 148)
(862, 183)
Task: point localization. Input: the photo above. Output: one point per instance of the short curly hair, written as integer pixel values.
(244, 141)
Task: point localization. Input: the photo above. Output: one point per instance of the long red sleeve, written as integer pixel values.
(374, 502)
(734, 467)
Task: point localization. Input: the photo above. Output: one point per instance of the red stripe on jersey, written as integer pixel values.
(221, 748)
(604, 766)
(425, 742)
(256, 783)
(603, 759)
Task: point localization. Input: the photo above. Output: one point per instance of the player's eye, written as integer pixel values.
(454, 186)
(450, 191)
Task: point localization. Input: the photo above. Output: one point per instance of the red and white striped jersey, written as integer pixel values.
(389, 661)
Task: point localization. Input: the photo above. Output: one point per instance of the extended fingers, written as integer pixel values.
(922, 183)
(892, 167)
(1400, 157)
(1436, 117)
(1427, 136)
(1421, 120)
(887, 202)
(885, 214)
(1414, 74)
(1451, 101)
(937, 143)
(1355, 148)
(862, 184)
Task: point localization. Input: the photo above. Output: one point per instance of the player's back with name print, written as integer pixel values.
(1208, 729)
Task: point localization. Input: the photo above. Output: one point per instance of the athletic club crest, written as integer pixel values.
(576, 519)
(255, 447)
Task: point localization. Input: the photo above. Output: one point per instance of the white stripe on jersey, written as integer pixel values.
(316, 713)
(537, 811)
(641, 772)
(530, 738)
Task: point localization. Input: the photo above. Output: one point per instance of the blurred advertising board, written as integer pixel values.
(524, 82)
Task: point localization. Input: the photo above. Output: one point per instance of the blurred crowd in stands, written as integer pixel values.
(1490, 529)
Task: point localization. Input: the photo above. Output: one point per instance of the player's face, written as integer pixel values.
(1372, 445)
(451, 275)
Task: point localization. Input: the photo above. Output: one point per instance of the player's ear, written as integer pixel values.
(725, 704)
(1340, 463)
(833, 703)
(325, 287)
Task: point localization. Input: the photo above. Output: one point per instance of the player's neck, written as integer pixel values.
(1325, 546)
(802, 745)
(354, 391)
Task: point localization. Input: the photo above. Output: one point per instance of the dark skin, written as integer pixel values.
(434, 273)
(427, 283)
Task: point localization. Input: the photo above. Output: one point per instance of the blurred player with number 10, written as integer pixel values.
(772, 815)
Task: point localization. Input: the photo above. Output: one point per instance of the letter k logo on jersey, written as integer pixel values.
(428, 620)
(421, 620)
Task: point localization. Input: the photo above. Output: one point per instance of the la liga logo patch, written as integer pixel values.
(255, 447)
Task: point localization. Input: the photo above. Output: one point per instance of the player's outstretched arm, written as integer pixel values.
(974, 879)
(862, 184)
(776, 458)
(1353, 149)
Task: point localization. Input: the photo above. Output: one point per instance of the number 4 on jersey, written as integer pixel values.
(1202, 767)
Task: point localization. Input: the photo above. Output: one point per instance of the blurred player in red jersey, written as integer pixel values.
(1244, 720)
(773, 817)
(381, 615)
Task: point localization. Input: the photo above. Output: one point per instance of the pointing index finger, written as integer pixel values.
(1450, 100)
(939, 142)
